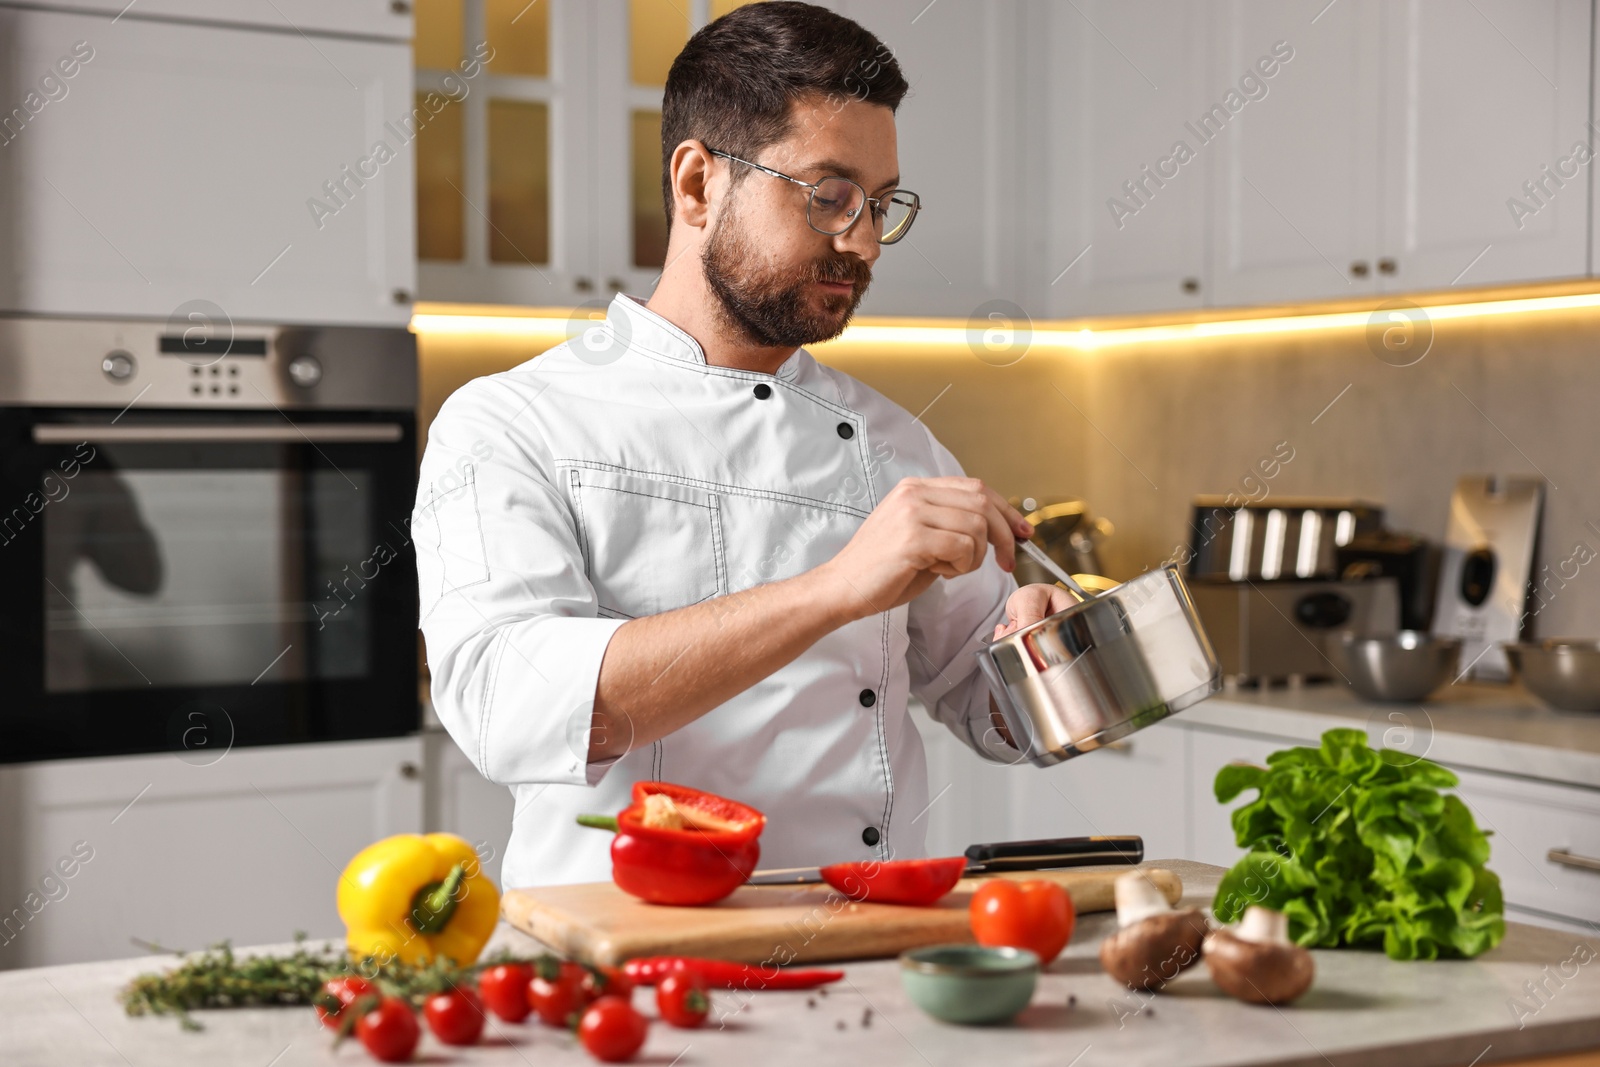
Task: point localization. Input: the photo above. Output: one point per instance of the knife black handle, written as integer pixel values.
(1055, 852)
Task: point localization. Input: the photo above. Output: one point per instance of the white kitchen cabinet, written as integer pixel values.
(1528, 821)
(185, 849)
(186, 168)
(1119, 220)
(458, 800)
(1133, 786)
(1483, 106)
(1297, 201)
(367, 18)
(1209, 752)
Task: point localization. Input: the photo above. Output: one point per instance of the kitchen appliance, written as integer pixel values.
(1562, 672)
(1005, 856)
(1275, 537)
(1265, 631)
(1101, 669)
(1068, 534)
(204, 536)
(1410, 560)
(1488, 561)
(599, 924)
(1400, 668)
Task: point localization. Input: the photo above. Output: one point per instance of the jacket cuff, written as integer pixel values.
(539, 703)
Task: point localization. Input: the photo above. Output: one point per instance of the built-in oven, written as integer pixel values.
(204, 535)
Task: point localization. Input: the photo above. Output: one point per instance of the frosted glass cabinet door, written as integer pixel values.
(363, 18)
(1484, 107)
(269, 174)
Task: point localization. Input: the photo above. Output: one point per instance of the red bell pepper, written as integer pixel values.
(649, 970)
(676, 845)
(916, 882)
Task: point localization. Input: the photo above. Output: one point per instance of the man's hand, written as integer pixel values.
(926, 528)
(1030, 604)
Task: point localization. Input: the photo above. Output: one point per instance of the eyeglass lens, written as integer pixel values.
(836, 202)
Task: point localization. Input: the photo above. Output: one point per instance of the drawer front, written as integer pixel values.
(1529, 821)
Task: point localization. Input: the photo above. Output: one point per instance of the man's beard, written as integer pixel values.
(770, 306)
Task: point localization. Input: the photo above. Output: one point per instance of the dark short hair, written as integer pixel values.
(733, 84)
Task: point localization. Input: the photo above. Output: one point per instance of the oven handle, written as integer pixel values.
(61, 433)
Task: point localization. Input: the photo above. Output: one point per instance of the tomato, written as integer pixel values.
(389, 1031)
(606, 982)
(918, 882)
(611, 1030)
(346, 991)
(556, 998)
(1035, 915)
(505, 990)
(455, 1016)
(682, 1001)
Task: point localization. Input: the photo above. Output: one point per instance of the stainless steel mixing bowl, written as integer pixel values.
(1102, 669)
(1399, 668)
(1563, 672)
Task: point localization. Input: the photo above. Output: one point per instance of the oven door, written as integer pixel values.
(176, 582)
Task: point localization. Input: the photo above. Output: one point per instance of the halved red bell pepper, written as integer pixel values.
(676, 845)
(917, 882)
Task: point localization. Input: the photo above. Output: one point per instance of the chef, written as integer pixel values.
(678, 547)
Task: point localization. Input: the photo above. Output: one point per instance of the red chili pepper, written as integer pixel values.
(915, 882)
(648, 970)
(677, 845)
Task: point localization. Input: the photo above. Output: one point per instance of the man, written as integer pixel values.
(679, 548)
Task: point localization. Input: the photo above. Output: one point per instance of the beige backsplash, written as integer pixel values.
(1139, 430)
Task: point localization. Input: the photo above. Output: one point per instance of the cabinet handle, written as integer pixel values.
(1191, 285)
(1387, 266)
(616, 285)
(409, 770)
(583, 285)
(1571, 859)
(1359, 268)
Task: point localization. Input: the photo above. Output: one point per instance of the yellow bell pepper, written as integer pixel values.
(416, 898)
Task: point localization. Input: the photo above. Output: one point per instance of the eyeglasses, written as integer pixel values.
(836, 204)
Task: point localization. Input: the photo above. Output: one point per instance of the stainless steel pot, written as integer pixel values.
(1102, 669)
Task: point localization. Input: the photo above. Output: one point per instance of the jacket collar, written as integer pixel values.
(639, 327)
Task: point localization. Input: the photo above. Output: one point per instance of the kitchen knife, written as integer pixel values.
(1005, 856)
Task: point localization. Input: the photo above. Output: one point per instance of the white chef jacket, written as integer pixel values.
(619, 475)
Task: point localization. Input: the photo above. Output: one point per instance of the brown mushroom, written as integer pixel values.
(1152, 942)
(1256, 962)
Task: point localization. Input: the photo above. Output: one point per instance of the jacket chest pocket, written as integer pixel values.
(649, 545)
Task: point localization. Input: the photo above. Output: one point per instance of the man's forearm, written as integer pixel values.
(662, 672)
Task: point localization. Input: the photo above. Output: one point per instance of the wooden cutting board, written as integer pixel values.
(597, 923)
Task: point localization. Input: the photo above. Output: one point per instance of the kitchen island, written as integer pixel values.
(1364, 1011)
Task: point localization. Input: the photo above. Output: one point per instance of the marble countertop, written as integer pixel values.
(1365, 1011)
(1501, 728)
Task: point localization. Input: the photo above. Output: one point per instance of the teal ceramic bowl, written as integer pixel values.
(969, 984)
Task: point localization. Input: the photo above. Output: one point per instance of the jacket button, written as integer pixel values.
(868, 698)
(762, 391)
(870, 835)
(846, 431)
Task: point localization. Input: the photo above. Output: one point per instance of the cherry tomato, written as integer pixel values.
(455, 1016)
(346, 990)
(611, 1030)
(606, 982)
(505, 990)
(556, 999)
(1035, 915)
(682, 1000)
(389, 1031)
